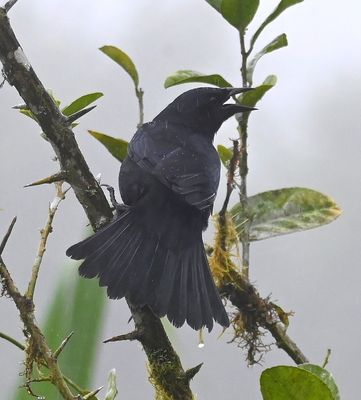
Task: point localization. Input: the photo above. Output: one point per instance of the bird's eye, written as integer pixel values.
(213, 99)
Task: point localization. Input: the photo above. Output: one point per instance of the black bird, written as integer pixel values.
(152, 253)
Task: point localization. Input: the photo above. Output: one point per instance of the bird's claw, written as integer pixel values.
(119, 208)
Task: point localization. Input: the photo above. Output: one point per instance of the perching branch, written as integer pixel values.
(167, 372)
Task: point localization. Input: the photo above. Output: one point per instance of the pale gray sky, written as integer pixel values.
(306, 133)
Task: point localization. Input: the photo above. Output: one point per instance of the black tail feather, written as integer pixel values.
(136, 263)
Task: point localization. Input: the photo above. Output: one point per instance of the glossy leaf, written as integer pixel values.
(252, 97)
(292, 383)
(325, 376)
(123, 60)
(216, 4)
(239, 13)
(282, 6)
(81, 103)
(225, 154)
(277, 43)
(188, 76)
(117, 147)
(284, 211)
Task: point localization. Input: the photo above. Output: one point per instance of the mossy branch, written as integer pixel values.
(254, 313)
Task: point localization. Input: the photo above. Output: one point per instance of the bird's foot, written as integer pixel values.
(118, 207)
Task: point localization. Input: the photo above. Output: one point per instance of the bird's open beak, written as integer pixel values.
(238, 108)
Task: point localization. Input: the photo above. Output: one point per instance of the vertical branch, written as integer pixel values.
(243, 162)
(244, 55)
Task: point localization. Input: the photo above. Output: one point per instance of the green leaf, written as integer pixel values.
(85, 318)
(81, 103)
(277, 43)
(282, 6)
(225, 154)
(216, 4)
(292, 383)
(239, 13)
(325, 376)
(284, 211)
(188, 76)
(252, 97)
(117, 147)
(123, 60)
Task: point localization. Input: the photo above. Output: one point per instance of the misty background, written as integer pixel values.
(305, 133)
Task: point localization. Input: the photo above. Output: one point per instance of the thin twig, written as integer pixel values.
(7, 235)
(9, 4)
(43, 239)
(12, 340)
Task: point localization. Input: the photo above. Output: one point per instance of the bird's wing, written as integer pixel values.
(185, 163)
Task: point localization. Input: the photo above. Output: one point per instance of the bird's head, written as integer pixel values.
(203, 109)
